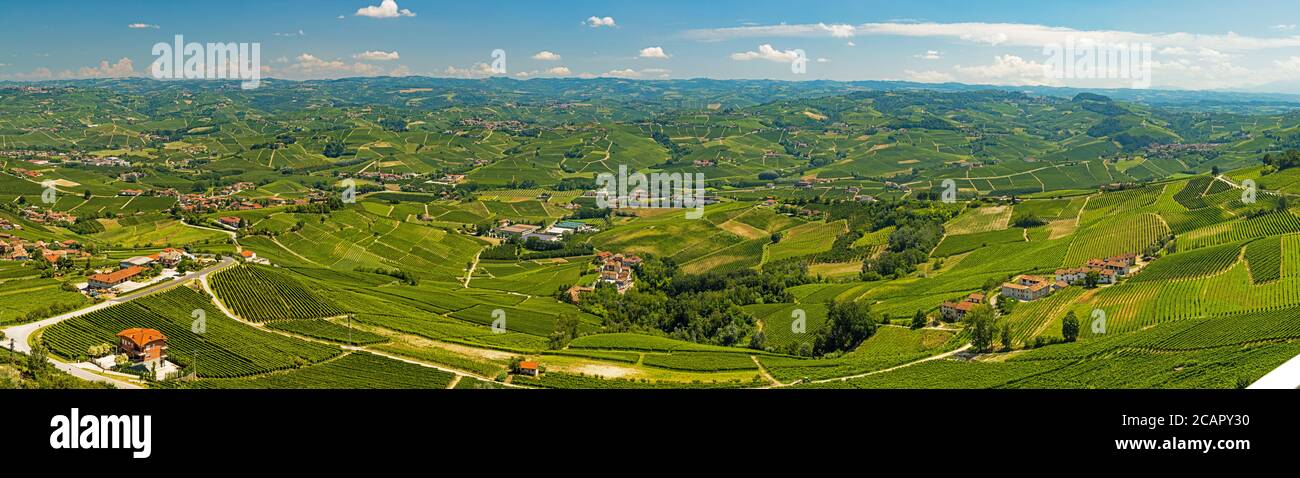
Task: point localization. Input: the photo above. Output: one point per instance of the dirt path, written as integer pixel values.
(891, 369)
(763, 371)
(469, 274)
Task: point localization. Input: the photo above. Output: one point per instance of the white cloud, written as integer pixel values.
(624, 73)
(652, 52)
(929, 76)
(479, 70)
(823, 60)
(553, 71)
(122, 68)
(930, 55)
(597, 22)
(138, 26)
(386, 9)
(308, 66)
(1005, 34)
(546, 56)
(1288, 26)
(377, 55)
(851, 44)
(837, 31)
(298, 33)
(766, 52)
(1006, 70)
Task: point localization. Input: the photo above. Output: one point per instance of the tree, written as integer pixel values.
(37, 362)
(566, 329)
(333, 149)
(981, 325)
(1070, 327)
(1006, 335)
(847, 325)
(86, 195)
(1091, 279)
(919, 320)
(776, 237)
(758, 340)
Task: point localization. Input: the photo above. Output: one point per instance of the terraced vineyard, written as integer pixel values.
(1260, 226)
(258, 294)
(1264, 257)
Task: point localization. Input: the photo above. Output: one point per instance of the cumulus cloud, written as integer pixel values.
(546, 56)
(123, 68)
(624, 73)
(308, 66)
(652, 52)
(930, 55)
(1285, 26)
(479, 70)
(554, 71)
(377, 55)
(139, 26)
(386, 9)
(1006, 70)
(597, 22)
(767, 52)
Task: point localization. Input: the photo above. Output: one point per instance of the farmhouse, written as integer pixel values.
(1030, 288)
(113, 279)
(541, 237)
(169, 257)
(1108, 270)
(230, 222)
(529, 368)
(143, 345)
(955, 311)
(248, 255)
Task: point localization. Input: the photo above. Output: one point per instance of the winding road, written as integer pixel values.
(21, 334)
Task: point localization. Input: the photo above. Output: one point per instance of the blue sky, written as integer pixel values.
(1244, 45)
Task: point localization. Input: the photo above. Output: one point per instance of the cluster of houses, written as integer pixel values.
(16, 249)
(27, 173)
(381, 176)
(615, 269)
(555, 233)
(133, 267)
(41, 215)
(1108, 270)
(5, 225)
(168, 192)
(956, 311)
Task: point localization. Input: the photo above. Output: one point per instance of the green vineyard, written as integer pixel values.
(259, 294)
(222, 348)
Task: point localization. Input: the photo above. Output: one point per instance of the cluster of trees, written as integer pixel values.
(847, 325)
(675, 151)
(910, 244)
(333, 149)
(1288, 159)
(1027, 221)
(703, 308)
(399, 274)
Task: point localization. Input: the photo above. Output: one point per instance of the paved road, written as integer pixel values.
(21, 334)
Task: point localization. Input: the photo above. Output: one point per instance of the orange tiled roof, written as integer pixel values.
(118, 275)
(141, 336)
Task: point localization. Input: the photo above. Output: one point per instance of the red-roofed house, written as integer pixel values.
(113, 279)
(529, 368)
(142, 345)
(955, 311)
(248, 255)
